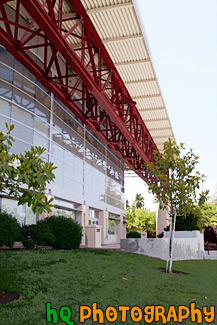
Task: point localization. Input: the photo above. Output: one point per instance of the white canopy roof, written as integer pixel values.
(118, 25)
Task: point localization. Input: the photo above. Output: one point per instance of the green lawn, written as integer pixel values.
(81, 277)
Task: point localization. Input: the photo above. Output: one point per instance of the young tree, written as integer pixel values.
(139, 201)
(176, 184)
(25, 175)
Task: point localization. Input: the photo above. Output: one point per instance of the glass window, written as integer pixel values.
(63, 212)
(91, 138)
(41, 141)
(59, 179)
(89, 192)
(68, 138)
(6, 73)
(5, 90)
(42, 97)
(94, 157)
(78, 164)
(113, 227)
(78, 176)
(69, 184)
(22, 132)
(42, 112)
(69, 171)
(57, 151)
(114, 202)
(4, 120)
(6, 57)
(88, 180)
(30, 217)
(23, 100)
(44, 156)
(41, 126)
(113, 188)
(78, 188)
(23, 83)
(11, 207)
(67, 116)
(22, 116)
(5, 107)
(59, 164)
(68, 205)
(20, 147)
(68, 158)
(93, 216)
(23, 71)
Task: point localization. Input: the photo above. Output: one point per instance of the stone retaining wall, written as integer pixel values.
(188, 245)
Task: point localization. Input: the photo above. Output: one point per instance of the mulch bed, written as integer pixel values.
(8, 298)
(174, 272)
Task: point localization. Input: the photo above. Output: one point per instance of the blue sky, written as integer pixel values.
(182, 36)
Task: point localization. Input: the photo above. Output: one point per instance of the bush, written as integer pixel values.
(10, 230)
(189, 222)
(27, 243)
(58, 232)
(44, 235)
(133, 234)
(210, 235)
(67, 232)
(29, 231)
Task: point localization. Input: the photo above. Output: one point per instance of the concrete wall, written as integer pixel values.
(190, 247)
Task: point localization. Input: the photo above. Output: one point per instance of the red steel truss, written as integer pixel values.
(79, 72)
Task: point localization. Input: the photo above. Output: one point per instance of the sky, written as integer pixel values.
(182, 38)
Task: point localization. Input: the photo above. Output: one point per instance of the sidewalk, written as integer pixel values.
(115, 247)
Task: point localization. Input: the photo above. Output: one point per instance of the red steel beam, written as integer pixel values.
(120, 125)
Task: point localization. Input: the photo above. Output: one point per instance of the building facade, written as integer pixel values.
(89, 183)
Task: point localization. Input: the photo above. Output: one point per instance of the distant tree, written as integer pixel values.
(139, 220)
(176, 184)
(209, 215)
(213, 200)
(127, 204)
(25, 176)
(193, 220)
(139, 201)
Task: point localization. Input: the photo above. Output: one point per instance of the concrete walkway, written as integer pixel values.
(111, 246)
(115, 247)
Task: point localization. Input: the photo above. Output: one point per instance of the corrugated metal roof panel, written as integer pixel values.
(154, 115)
(143, 88)
(135, 71)
(126, 48)
(154, 102)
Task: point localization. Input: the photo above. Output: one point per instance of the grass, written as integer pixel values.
(81, 277)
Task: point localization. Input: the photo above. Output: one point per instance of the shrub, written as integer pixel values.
(10, 230)
(58, 232)
(189, 222)
(133, 234)
(210, 235)
(67, 232)
(44, 235)
(28, 243)
(29, 231)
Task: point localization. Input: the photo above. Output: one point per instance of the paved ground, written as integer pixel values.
(110, 246)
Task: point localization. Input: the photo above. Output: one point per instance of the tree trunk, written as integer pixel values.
(170, 236)
(172, 240)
